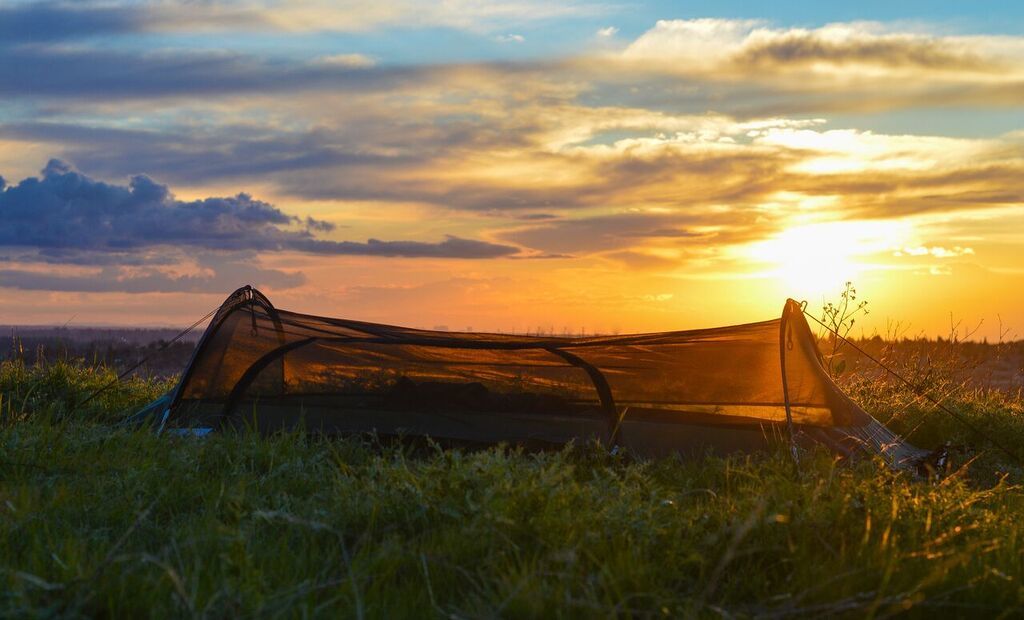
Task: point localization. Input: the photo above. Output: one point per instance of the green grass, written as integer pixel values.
(97, 520)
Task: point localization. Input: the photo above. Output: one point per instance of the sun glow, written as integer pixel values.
(815, 259)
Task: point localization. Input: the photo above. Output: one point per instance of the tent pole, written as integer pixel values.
(604, 391)
(783, 329)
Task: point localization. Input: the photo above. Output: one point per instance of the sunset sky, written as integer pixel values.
(619, 166)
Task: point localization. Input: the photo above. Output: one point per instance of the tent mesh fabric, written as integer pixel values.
(722, 389)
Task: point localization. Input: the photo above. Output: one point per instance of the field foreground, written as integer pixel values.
(101, 520)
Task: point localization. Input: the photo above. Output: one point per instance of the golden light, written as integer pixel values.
(816, 259)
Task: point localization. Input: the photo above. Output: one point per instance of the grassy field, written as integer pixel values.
(97, 520)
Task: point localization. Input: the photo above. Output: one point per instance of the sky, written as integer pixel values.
(515, 165)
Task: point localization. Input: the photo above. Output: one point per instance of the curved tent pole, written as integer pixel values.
(785, 343)
(604, 391)
(241, 296)
(255, 369)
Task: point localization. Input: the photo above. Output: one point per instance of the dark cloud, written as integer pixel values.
(66, 209)
(215, 154)
(222, 276)
(46, 21)
(451, 247)
(621, 231)
(167, 270)
(92, 73)
(110, 75)
(892, 194)
(54, 21)
(807, 47)
(69, 211)
(63, 256)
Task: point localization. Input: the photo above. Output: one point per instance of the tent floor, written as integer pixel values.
(646, 433)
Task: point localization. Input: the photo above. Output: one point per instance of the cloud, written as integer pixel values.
(39, 21)
(504, 160)
(691, 40)
(69, 211)
(849, 45)
(682, 231)
(749, 46)
(937, 251)
(217, 153)
(347, 60)
(754, 69)
(66, 209)
(467, 170)
(451, 247)
(357, 15)
(732, 66)
(52, 21)
(537, 216)
(660, 161)
(55, 20)
(510, 38)
(89, 73)
(215, 273)
(558, 156)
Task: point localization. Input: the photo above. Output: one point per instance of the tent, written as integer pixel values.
(727, 389)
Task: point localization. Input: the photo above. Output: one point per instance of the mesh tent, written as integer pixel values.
(727, 389)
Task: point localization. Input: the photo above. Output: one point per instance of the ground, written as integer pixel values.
(101, 520)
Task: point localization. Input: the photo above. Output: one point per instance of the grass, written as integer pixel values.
(100, 520)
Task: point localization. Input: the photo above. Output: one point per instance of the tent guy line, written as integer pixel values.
(142, 361)
(922, 393)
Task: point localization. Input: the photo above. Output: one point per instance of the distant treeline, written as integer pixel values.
(922, 361)
(118, 348)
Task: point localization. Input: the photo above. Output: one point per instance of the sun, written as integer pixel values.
(813, 260)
